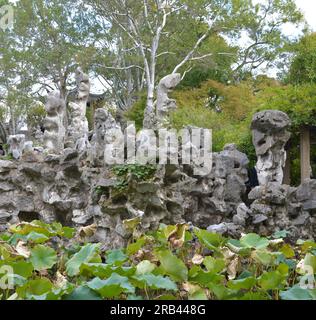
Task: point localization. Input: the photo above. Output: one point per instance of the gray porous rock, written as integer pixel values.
(105, 127)
(55, 130)
(164, 104)
(276, 207)
(78, 128)
(59, 184)
(306, 194)
(269, 132)
(240, 218)
(219, 193)
(16, 145)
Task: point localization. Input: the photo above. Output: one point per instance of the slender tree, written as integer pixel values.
(145, 25)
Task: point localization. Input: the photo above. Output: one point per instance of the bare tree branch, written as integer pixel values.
(191, 53)
(185, 73)
(202, 57)
(165, 53)
(246, 55)
(122, 68)
(146, 17)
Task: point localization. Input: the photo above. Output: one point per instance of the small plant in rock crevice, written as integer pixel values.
(137, 172)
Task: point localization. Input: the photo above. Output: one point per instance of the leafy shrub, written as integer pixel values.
(136, 113)
(237, 103)
(139, 173)
(7, 155)
(174, 262)
(299, 102)
(36, 114)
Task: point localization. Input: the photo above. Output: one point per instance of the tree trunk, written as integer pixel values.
(149, 114)
(129, 100)
(12, 123)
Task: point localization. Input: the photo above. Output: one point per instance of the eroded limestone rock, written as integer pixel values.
(16, 145)
(269, 131)
(78, 128)
(55, 131)
(156, 114)
(61, 187)
(219, 193)
(164, 104)
(104, 126)
(306, 194)
(276, 207)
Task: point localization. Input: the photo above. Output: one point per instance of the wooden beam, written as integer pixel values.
(305, 148)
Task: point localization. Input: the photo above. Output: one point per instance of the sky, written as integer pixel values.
(309, 9)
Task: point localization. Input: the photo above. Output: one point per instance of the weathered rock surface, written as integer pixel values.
(156, 115)
(76, 186)
(59, 187)
(55, 131)
(78, 128)
(306, 194)
(269, 130)
(105, 127)
(16, 145)
(164, 104)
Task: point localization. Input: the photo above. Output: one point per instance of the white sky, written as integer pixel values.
(309, 9)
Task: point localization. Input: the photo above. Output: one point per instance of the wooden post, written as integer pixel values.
(305, 148)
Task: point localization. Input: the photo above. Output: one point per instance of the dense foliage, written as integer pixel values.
(303, 66)
(128, 46)
(51, 262)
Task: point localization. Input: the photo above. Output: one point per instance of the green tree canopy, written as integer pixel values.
(303, 65)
